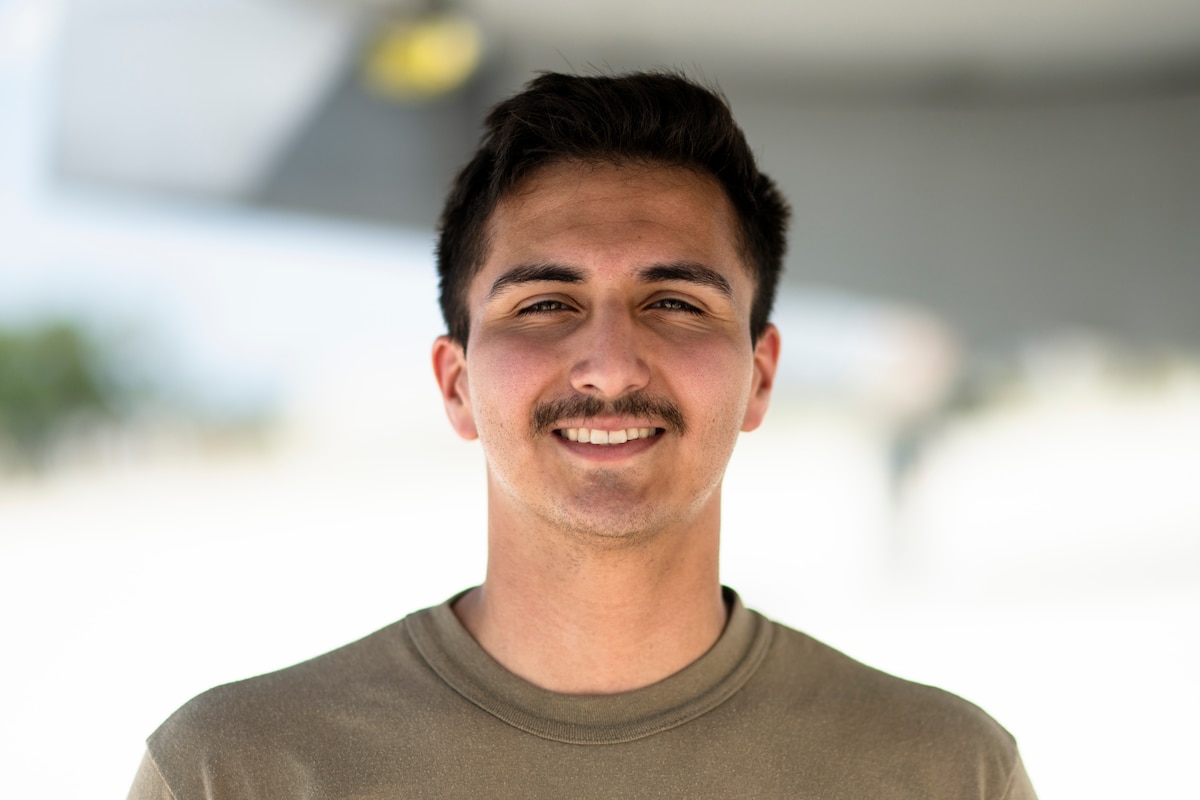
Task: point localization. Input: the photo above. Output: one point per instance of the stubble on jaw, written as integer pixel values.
(604, 514)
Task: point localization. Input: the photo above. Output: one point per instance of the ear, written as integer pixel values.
(450, 369)
(766, 362)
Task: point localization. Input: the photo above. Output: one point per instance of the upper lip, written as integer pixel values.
(609, 424)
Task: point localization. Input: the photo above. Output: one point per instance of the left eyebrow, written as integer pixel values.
(688, 272)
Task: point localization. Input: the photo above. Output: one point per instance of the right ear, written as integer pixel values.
(450, 368)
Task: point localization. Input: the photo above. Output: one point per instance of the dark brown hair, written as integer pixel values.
(638, 118)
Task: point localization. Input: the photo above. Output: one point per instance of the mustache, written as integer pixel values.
(583, 406)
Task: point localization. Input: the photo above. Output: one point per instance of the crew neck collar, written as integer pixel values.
(701, 686)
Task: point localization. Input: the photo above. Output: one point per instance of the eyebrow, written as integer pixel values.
(536, 273)
(684, 271)
(688, 272)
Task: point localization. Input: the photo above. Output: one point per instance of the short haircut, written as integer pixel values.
(642, 118)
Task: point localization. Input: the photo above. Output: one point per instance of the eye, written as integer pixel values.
(674, 304)
(544, 307)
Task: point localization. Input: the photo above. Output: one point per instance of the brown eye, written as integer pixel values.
(673, 304)
(544, 307)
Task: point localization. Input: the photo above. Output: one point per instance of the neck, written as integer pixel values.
(583, 617)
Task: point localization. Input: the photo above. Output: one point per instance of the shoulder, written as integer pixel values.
(257, 703)
(818, 675)
(873, 722)
(275, 724)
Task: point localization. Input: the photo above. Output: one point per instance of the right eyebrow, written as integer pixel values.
(535, 273)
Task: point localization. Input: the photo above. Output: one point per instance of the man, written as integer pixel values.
(608, 263)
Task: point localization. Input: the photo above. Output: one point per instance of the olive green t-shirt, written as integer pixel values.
(419, 710)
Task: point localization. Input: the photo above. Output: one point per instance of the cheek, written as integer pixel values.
(716, 377)
(506, 383)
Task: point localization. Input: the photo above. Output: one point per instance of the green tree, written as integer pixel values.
(52, 376)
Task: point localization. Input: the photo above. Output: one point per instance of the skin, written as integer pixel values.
(606, 282)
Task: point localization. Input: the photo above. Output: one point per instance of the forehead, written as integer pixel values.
(603, 216)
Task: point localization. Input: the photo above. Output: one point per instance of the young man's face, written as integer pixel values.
(612, 300)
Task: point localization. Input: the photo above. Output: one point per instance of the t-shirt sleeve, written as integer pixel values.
(148, 784)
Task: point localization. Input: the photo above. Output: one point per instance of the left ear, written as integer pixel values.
(766, 361)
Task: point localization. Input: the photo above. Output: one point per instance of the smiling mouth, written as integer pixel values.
(633, 407)
(603, 437)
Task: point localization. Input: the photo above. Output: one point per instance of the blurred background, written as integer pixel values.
(222, 451)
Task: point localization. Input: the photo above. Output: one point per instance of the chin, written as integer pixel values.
(587, 533)
(608, 525)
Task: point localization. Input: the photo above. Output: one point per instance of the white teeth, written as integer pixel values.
(595, 436)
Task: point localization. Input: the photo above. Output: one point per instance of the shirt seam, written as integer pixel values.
(617, 733)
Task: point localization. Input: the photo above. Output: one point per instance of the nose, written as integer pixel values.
(609, 355)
